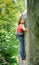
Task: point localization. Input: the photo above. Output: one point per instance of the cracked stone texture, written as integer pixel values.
(33, 25)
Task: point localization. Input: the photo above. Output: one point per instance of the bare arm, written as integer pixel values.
(23, 27)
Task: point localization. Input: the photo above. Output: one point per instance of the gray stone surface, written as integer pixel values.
(33, 26)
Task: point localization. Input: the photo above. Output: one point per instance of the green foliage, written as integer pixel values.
(9, 15)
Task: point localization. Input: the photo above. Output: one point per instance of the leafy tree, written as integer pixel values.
(9, 15)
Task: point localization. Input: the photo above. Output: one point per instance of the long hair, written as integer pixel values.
(19, 20)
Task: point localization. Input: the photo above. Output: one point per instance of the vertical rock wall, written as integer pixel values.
(33, 27)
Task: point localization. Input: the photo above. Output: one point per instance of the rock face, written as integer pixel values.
(33, 27)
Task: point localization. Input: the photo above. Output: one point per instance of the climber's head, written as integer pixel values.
(21, 20)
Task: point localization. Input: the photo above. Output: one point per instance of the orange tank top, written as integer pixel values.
(19, 29)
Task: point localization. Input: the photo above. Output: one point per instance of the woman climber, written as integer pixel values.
(20, 35)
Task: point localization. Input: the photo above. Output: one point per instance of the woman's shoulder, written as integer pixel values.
(21, 24)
